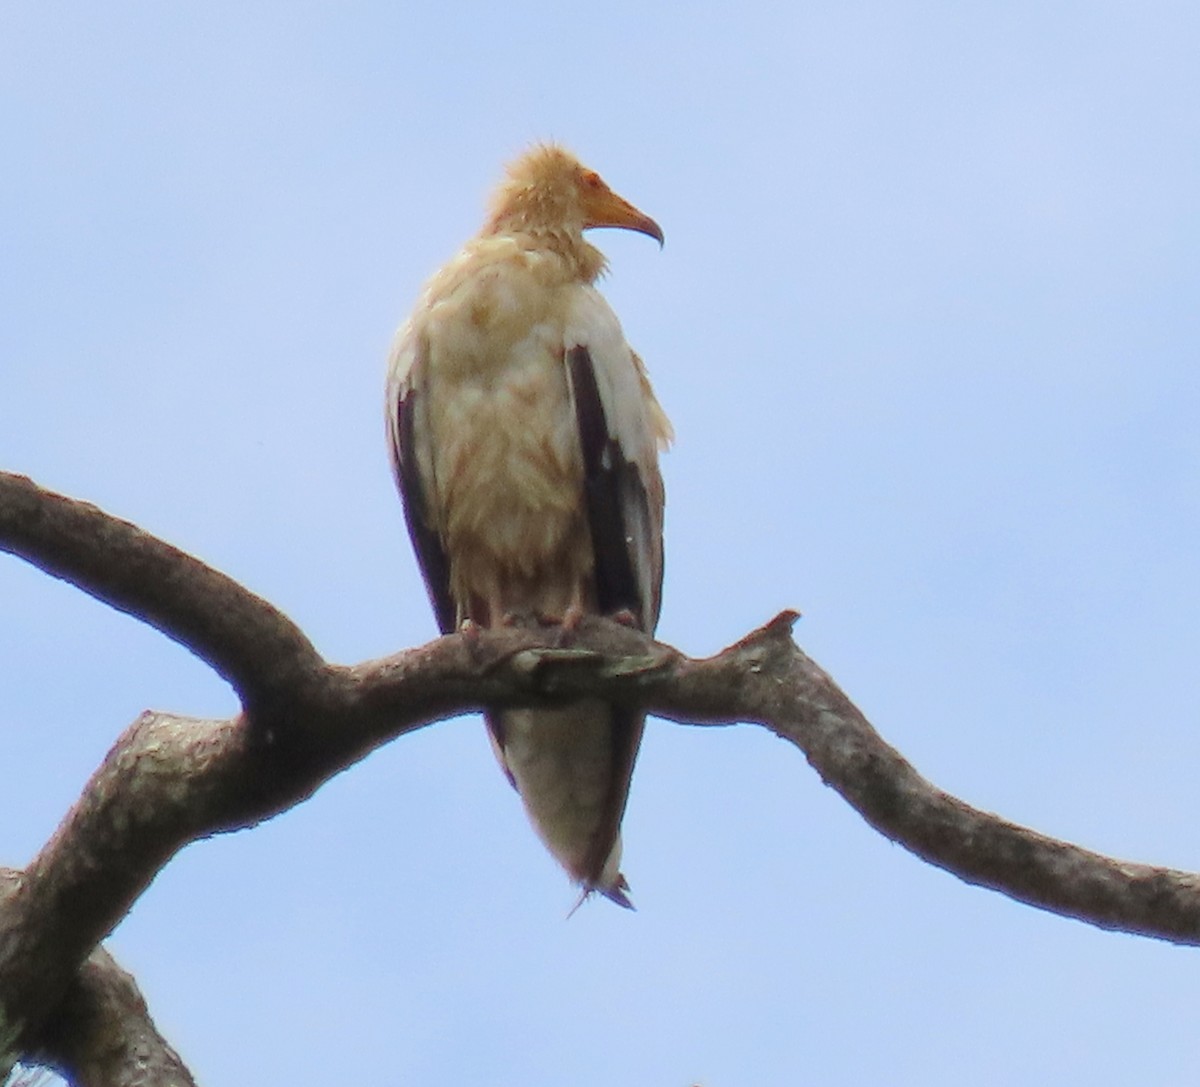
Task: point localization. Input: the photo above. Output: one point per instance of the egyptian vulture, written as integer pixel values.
(524, 438)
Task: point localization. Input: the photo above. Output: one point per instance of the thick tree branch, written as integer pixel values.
(101, 1034)
(170, 780)
(246, 641)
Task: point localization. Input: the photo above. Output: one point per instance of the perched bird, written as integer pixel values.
(524, 438)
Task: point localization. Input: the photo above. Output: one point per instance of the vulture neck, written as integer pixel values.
(585, 262)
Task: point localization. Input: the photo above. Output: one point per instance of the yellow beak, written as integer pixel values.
(603, 207)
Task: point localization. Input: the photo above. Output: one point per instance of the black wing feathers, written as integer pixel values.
(617, 507)
(431, 555)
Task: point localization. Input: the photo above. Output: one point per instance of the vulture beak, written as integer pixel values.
(603, 207)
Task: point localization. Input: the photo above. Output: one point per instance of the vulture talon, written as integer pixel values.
(626, 618)
(568, 626)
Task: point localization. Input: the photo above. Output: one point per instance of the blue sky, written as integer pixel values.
(926, 324)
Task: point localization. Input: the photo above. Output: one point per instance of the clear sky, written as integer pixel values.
(927, 325)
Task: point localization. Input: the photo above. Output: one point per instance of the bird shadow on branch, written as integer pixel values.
(170, 780)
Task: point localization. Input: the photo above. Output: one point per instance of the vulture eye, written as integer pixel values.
(592, 180)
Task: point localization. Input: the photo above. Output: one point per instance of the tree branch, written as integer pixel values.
(170, 780)
(245, 640)
(101, 1034)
